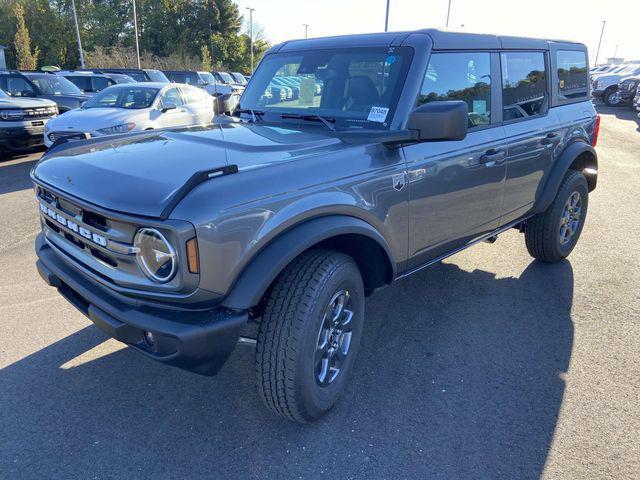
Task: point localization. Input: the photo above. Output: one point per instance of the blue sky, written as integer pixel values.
(579, 20)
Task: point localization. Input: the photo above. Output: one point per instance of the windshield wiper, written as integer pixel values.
(312, 117)
(255, 114)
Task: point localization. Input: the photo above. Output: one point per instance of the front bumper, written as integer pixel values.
(20, 138)
(197, 341)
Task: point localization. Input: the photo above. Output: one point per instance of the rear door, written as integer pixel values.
(456, 186)
(532, 130)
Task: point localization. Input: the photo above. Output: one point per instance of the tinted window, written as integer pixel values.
(460, 76)
(572, 74)
(524, 84)
(16, 86)
(82, 82)
(100, 83)
(157, 76)
(176, 77)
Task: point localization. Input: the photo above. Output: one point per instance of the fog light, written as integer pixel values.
(148, 338)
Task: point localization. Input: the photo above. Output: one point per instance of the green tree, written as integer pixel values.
(206, 58)
(25, 58)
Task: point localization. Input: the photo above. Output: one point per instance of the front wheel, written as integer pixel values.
(309, 335)
(611, 97)
(551, 235)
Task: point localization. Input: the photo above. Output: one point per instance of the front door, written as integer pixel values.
(456, 187)
(175, 117)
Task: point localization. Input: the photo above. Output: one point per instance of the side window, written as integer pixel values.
(19, 87)
(524, 84)
(82, 82)
(100, 83)
(572, 74)
(191, 95)
(460, 76)
(172, 96)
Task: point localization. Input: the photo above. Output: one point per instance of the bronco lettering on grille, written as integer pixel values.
(73, 226)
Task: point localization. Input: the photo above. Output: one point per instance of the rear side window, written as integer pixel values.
(462, 76)
(524, 85)
(100, 83)
(572, 74)
(82, 82)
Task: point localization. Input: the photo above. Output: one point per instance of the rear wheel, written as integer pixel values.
(551, 236)
(309, 335)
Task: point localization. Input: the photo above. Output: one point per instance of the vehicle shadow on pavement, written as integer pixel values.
(14, 174)
(459, 376)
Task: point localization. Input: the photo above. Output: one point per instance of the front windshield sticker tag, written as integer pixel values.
(390, 60)
(378, 114)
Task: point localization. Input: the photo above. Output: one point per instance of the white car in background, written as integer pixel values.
(132, 107)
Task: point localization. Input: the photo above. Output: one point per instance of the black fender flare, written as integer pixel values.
(562, 164)
(267, 264)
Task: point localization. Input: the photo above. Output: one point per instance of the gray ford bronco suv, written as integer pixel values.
(270, 228)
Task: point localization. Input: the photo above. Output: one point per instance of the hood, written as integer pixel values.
(25, 102)
(140, 173)
(94, 118)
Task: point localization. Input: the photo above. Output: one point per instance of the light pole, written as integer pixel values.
(604, 22)
(135, 31)
(386, 18)
(448, 12)
(306, 30)
(75, 21)
(251, 10)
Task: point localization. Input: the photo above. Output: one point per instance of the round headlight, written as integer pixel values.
(155, 255)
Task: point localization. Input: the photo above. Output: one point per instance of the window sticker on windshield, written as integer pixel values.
(390, 60)
(378, 114)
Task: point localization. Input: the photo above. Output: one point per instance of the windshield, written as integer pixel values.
(54, 85)
(356, 87)
(238, 77)
(207, 78)
(157, 76)
(120, 78)
(131, 97)
(225, 77)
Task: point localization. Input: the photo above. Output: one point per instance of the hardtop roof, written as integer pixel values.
(442, 40)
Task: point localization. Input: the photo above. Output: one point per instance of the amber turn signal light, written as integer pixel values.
(192, 256)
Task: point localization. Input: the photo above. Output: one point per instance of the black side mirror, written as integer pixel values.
(442, 120)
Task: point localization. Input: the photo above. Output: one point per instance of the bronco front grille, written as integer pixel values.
(39, 112)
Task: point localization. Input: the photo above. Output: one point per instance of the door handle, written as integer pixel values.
(551, 139)
(492, 156)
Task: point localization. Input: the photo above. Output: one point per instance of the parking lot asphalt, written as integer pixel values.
(488, 365)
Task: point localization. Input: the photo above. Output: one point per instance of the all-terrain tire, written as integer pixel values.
(544, 232)
(291, 329)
